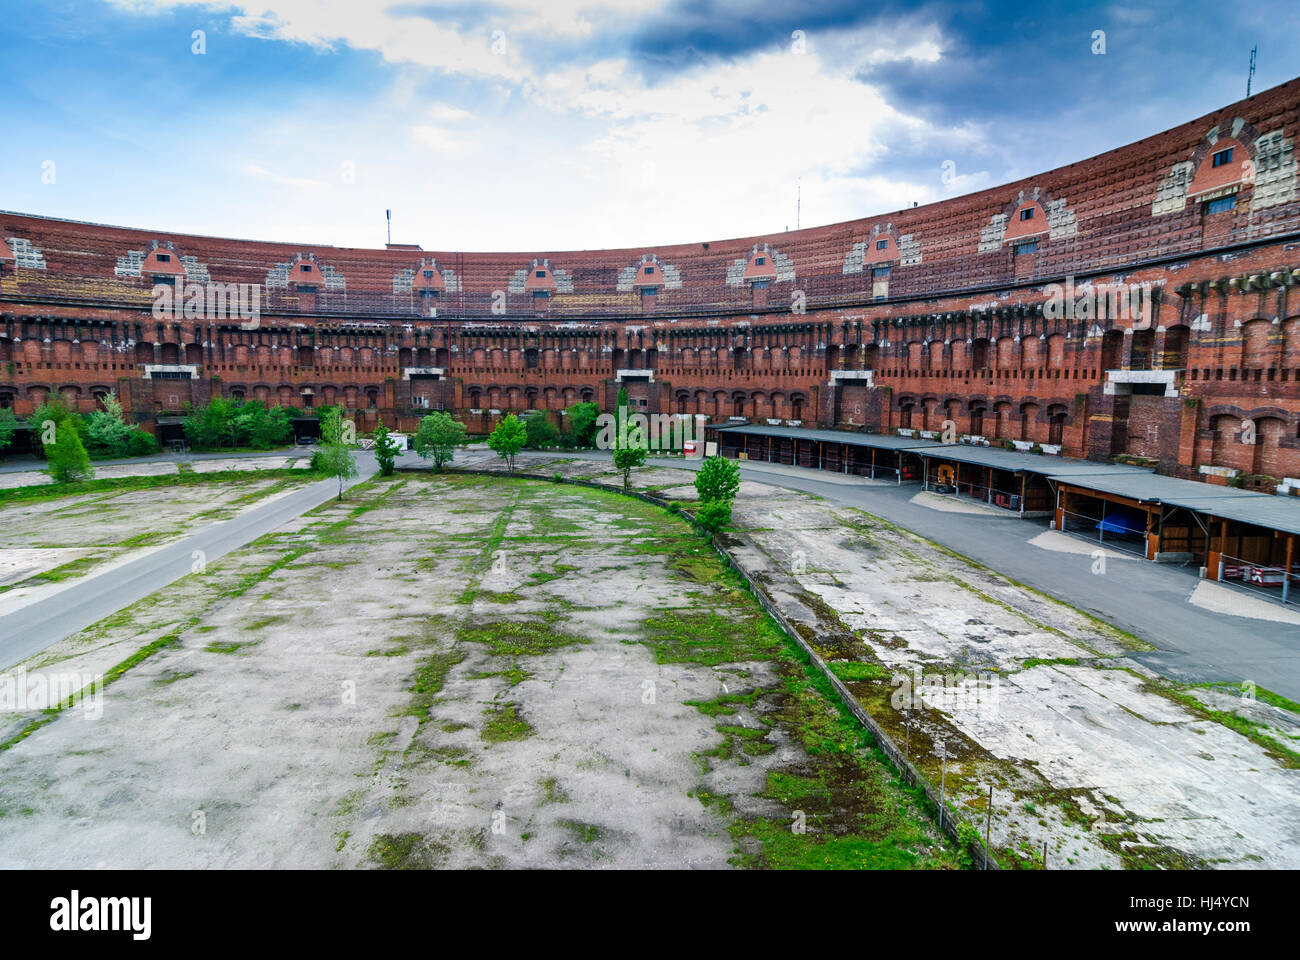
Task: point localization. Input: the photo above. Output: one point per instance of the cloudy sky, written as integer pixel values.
(560, 124)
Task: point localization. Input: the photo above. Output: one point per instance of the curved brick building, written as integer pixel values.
(1143, 302)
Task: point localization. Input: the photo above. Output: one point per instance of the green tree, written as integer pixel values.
(580, 421)
(336, 428)
(718, 479)
(211, 426)
(68, 460)
(385, 450)
(141, 443)
(713, 515)
(540, 431)
(630, 448)
(47, 418)
(8, 425)
(107, 432)
(508, 439)
(438, 436)
(625, 458)
(335, 460)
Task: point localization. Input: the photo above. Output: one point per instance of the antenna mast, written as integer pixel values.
(1251, 76)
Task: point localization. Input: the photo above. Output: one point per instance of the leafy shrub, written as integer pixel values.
(68, 460)
(580, 420)
(438, 436)
(718, 479)
(141, 443)
(540, 432)
(713, 515)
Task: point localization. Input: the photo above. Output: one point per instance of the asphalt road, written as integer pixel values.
(1149, 600)
(30, 629)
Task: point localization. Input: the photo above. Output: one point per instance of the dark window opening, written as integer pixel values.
(541, 274)
(882, 244)
(649, 271)
(1024, 248)
(880, 271)
(759, 261)
(164, 258)
(760, 284)
(1221, 204)
(1027, 214)
(1223, 157)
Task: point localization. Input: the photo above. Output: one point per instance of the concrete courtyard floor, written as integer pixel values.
(1093, 759)
(48, 543)
(453, 671)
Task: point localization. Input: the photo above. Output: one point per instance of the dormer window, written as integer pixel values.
(1027, 213)
(882, 244)
(1223, 157)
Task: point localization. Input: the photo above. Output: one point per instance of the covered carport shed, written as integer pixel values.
(878, 456)
(1017, 481)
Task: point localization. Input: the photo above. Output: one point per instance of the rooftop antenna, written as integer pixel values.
(1251, 76)
(798, 201)
(389, 215)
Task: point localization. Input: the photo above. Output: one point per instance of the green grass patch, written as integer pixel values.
(504, 723)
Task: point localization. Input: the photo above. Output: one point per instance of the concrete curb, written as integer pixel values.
(906, 769)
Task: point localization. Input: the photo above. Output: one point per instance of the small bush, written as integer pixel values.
(713, 515)
(141, 443)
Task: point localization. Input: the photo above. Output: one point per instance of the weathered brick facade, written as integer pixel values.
(953, 311)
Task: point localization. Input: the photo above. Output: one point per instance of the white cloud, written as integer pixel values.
(590, 154)
(302, 183)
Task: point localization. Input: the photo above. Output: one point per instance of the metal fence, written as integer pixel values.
(1089, 528)
(1274, 582)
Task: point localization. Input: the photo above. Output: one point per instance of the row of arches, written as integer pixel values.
(1027, 420)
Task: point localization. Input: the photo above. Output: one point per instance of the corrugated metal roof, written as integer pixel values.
(1016, 461)
(1134, 483)
(1260, 509)
(881, 441)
